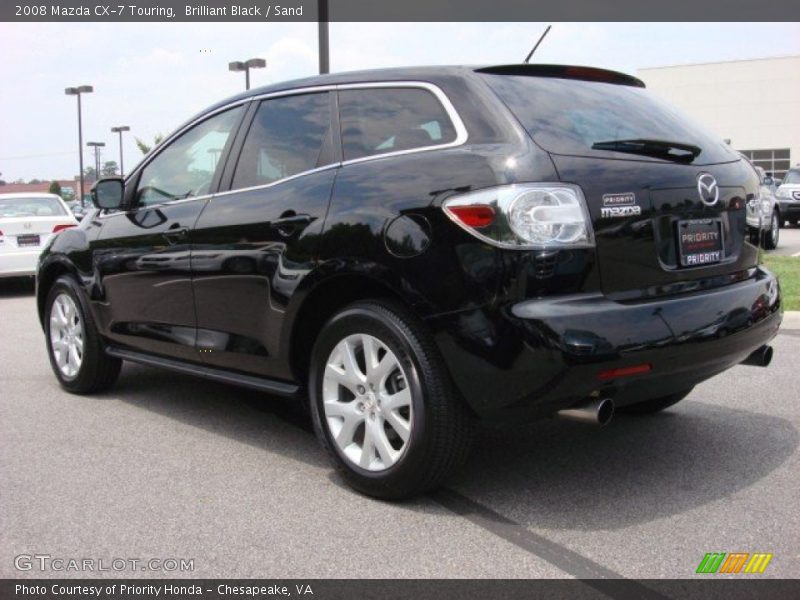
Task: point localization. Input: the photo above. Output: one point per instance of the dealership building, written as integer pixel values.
(753, 103)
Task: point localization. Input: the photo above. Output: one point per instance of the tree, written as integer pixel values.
(35, 180)
(90, 175)
(144, 147)
(55, 188)
(110, 168)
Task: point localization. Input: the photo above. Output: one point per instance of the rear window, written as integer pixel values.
(567, 116)
(31, 207)
(380, 120)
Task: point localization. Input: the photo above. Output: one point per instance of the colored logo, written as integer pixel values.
(734, 562)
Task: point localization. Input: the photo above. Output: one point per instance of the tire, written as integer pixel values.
(654, 405)
(438, 426)
(772, 235)
(95, 371)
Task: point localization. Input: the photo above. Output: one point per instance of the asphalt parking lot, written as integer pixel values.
(169, 466)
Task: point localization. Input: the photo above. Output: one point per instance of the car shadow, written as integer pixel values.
(563, 475)
(14, 287)
(548, 474)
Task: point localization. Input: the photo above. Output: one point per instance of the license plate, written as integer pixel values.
(27, 240)
(700, 242)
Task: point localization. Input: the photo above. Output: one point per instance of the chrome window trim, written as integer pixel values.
(461, 131)
(458, 124)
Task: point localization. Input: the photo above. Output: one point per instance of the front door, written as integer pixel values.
(142, 256)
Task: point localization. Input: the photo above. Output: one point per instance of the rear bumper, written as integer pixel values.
(539, 356)
(19, 264)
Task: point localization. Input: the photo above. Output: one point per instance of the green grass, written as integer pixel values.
(787, 269)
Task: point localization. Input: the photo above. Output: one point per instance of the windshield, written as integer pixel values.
(30, 207)
(792, 177)
(586, 118)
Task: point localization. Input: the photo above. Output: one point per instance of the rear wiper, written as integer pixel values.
(655, 148)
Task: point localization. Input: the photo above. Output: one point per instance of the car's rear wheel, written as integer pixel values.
(382, 402)
(773, 233)
(76, 350)
(654, 405)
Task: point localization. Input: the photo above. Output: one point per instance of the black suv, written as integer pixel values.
(409, 249)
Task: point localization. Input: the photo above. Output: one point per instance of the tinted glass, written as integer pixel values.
(379, 120)
(568, 116)
(186, 167)
(30, 207)
(287, 137)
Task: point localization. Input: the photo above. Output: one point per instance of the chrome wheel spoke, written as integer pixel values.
(382, 445)
(400, 399)
(367, 449)
(350, 363)
(399, 424)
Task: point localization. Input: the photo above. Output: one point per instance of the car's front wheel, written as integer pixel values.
(76, 350)
(382, 402)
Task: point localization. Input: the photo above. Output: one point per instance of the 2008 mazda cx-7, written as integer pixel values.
(410, 249)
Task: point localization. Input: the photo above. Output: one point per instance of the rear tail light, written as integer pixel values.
(528, 215)
(62, 227)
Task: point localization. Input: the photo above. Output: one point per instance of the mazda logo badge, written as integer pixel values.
(27, 225)
(708, 189)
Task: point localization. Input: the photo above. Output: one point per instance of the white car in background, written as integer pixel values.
(27, 221)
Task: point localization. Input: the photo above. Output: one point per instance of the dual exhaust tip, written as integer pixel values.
(601, 410)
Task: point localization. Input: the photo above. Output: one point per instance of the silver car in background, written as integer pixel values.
(763, 212)
(788, 195)
(27, 222)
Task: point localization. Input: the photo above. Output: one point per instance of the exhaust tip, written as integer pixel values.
(605, 411)
(594, 412)
(760, 358)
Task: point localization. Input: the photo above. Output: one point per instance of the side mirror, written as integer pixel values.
(108, 193)
(769, 181)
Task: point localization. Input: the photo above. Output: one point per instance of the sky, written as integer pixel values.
(153, 77)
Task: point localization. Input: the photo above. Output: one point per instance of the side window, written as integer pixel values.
(186, 167)
(379, 120)
(289, 135)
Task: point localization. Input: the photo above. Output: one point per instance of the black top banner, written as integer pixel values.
(395, 11)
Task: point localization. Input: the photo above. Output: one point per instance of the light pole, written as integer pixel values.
(119, 130)
(96, 145)
(253, 63)
(77, 91)
(322, 15)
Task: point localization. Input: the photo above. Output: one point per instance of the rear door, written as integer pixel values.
(142, 256)
(256, 240)
(667, 199)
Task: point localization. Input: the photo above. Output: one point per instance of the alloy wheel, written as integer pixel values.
(66, 335)
(367, 402)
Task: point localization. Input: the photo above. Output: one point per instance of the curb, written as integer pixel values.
(791, 319)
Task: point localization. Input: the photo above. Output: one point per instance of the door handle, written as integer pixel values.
(175, 234)
(292, 221)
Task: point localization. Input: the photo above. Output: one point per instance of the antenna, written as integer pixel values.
(528, 58)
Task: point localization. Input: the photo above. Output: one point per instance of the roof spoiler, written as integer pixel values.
(565, 72)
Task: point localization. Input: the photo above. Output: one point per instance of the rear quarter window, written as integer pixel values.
(566, 116)
(376, 121)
